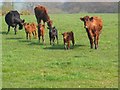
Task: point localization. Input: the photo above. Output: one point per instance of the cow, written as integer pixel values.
(53, 33)
(41, 14)
(41, 32)
(30, 28)
(93, 26)
(13, 19)
(67, 37)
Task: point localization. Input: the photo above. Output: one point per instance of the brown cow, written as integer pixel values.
(67, 37)
(30, 28)
(93, 26)
(41, 32)
(41, 14)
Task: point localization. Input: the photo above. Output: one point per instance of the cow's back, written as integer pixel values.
(71, 35)
(41, 14)
(40, 11)
(9, 18)
(97, 22)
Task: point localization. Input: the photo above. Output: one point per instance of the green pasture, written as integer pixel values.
(29, 64)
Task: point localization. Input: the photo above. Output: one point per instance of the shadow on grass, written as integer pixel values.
(77, 46)
(14, 38)
(3, 33)
(78, 56)
(30, 42)
(61, 47)
(55, 47)
(35, 43)
(24, 40)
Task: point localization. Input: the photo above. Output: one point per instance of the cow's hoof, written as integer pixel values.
(96, 48)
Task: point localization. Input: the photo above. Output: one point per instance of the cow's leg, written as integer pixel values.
(53, 40)
(50, 37)
(30, 34)
(39, 31)
(57, 39)
(26, 35)
(15, 29)
(91, 42)
(65, 47)
(35, 34)
(96, 41)
(73, 41)
(90, 36)
(8, 29)
(50, 40)
(68, 45)
(43, 41)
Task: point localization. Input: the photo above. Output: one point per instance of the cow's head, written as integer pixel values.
(86, 21)
(21, 24)
(41, 26)
(65, 36)
(49, 23)
(52, 31)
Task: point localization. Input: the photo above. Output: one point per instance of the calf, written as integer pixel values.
(13, 19)
(67, 37)
(30, 28)
(41, 32)
(93, 26)
(53, 33)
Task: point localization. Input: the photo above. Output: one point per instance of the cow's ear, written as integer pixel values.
(82, 19)
(91, 18)
(23, 20)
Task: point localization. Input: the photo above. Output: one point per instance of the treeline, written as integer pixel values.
(91, 7)
(67, 7)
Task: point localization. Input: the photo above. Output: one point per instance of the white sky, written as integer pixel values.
(59, 0)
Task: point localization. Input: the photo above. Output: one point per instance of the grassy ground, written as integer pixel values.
(30, 64)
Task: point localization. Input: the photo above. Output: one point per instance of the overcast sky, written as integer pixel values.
(59, 0)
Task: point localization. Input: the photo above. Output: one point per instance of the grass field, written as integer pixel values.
(33, 65)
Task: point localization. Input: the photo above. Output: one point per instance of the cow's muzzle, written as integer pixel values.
(86, 27)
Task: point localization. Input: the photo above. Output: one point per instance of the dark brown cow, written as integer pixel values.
(93, 26)
(67, 37)
(42, 15)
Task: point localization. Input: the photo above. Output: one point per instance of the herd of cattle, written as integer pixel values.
(93, 26)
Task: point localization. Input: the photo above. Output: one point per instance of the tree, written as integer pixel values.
(6, 7)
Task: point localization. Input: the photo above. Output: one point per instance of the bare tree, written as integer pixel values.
(6, 7)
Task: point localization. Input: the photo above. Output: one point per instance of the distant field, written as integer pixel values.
(29, 64)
